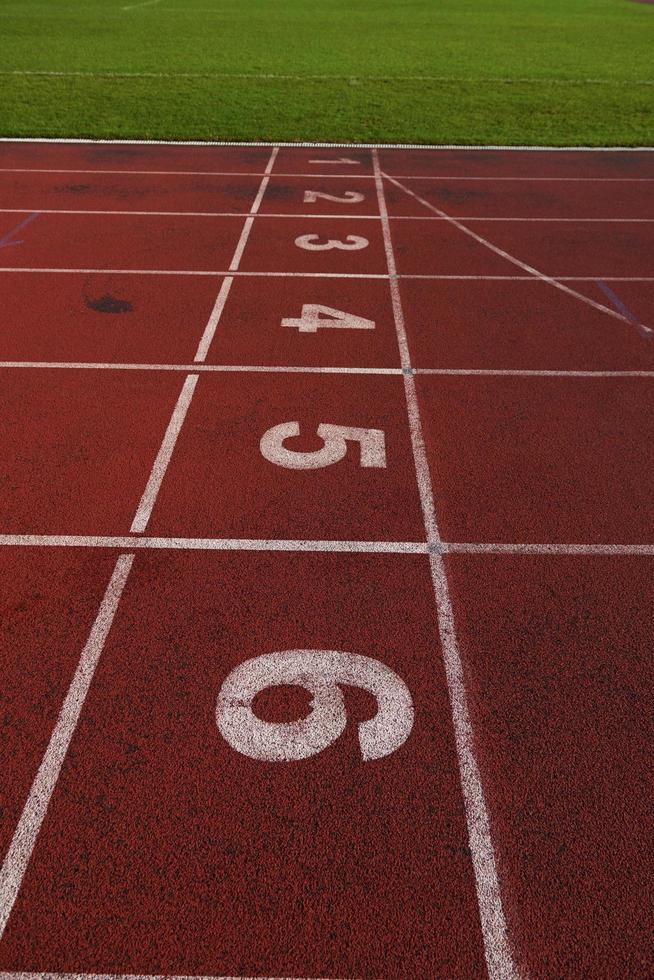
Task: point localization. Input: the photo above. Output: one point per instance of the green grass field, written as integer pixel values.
(424, 71)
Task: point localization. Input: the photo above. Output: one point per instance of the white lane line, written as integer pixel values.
(552, 548)
(513, 260)
(210, 544)
(247, 227)
(272, 76)
(195, 367)
(164, 455)
(167, 447)
(499, 959)
(34, 811)
(212, 323)
(325, 216)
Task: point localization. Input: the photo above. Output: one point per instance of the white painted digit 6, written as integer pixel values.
(320, 672)
(350, 197)
(335, 437)
(313, 244)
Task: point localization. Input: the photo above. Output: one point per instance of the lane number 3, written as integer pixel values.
(312, 243)
(335, 439)
(320, 672)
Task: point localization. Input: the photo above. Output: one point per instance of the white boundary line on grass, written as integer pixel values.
(499, 958)
(336, 146)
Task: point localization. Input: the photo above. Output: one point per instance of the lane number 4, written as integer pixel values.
(315, 317)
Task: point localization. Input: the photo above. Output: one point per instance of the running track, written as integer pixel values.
(459, 568)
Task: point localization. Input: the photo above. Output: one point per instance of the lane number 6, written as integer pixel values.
(320, 672)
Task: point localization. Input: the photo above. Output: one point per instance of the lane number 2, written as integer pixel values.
(312, 243)
(320, 672)
(316, 317)
(335, 438)
(350, 197)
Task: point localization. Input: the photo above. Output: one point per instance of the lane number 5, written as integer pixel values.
(320, 672)
(335, 438)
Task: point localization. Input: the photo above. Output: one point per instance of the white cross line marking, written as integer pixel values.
(195, 367)
(303, 176)
(231, 272)
(210, 544)
(281, 369)
(532, 373)
(311, 275)
(499, 959)
(517, 262)
(24, 838)
(236, 214)
(325, 216)
(154, 543)
(211, 173)
(552, 548)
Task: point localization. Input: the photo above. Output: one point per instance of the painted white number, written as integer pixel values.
(313, 244)
(315, 317)
(337, 160)
(320, 672)
(350, 197)
(335, 438)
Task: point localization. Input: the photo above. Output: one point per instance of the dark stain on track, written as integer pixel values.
(108, 304)
(73, 188)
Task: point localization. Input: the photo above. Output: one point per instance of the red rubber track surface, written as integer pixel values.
(503, 355)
